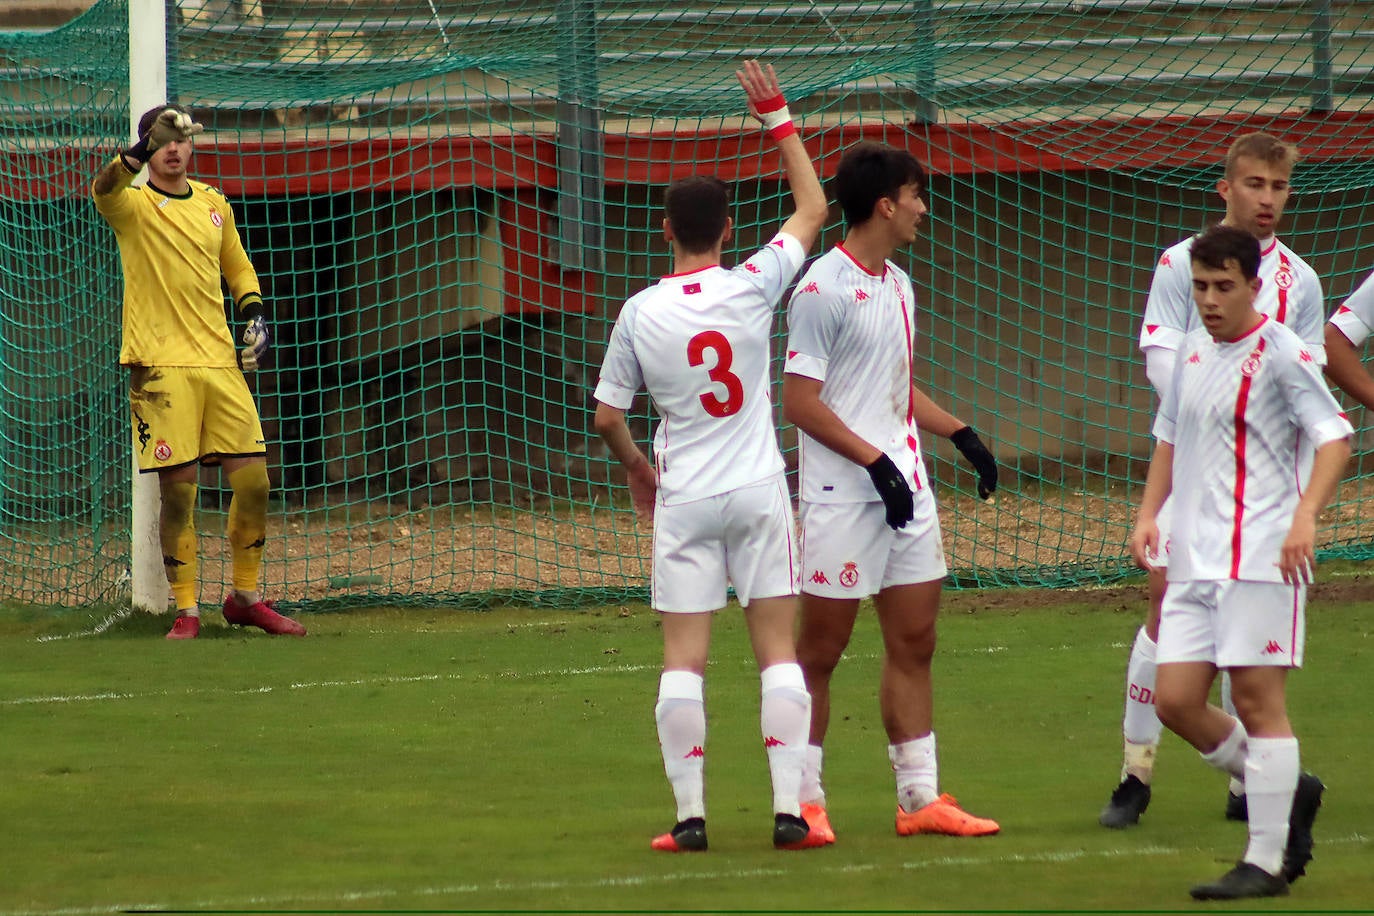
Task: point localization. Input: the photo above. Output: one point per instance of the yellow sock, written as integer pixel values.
(248, 523)
(177, 533)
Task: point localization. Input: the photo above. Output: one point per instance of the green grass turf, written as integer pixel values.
(506, 760)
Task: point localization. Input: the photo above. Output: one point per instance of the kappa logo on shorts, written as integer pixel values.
(849, 576)
(696, 751)
(162, 451)
(1273, 648)
(143, 436)
(772, 741)
(819, 578)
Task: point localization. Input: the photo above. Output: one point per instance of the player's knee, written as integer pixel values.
(178, 503)
(251, 486)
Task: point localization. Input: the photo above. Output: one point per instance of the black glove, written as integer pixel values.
(897, 498)
(973, 449)
(168, 126)
(254, 337)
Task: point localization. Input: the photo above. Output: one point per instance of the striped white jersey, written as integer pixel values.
(854, 330)
(1290, 293)
(699, 342)
(1355, 316)
(1235, 414)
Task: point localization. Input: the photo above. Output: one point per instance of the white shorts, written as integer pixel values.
(1232, 624)
(848, 550)
(745, 538)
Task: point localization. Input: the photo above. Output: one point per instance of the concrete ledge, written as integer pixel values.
(40, 14)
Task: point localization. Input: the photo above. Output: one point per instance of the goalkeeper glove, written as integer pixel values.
(168, 126)
(977, 454)
(254, 338)
(897, 498)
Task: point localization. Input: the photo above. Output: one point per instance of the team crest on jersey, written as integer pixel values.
(162, 451)
(1251, 364)
(1164, 261)
(1284, 278)
(215, 218)
(849, 576)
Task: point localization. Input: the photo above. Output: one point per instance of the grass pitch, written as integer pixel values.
(507, 761)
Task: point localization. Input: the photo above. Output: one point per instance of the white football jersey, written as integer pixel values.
(1235, 414)
(1290, 293)
(1355, 316)
(854, 331)
(699, 342)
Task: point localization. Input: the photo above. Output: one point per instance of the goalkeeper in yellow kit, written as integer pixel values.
(190, 404)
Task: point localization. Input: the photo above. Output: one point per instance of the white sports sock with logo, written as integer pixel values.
(1140, 726)
(917, 772)
(785, 720)
(681, 717)
(1271, 778)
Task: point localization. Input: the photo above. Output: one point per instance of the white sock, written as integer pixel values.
(1237, 786)
(1140, 726)
(785, 719)
(916, 770)
(681, 717)
(1230, 754)
(1271, 778)
(812, 790)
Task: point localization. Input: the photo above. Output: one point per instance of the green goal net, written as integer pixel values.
(448, 201)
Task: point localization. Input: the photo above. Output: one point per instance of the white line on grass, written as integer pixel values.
(96, 630)
(642, 880)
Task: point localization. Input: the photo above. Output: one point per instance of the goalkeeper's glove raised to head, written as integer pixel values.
(977, 454)
(168, 126)
(254, 337)
(892, 487)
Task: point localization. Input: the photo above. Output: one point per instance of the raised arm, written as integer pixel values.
(767, 104)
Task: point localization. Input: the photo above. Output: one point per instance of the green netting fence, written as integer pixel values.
(447, 202)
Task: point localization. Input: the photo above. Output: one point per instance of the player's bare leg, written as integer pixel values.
(826, 626)
(784, 717)
(906, 614)
(1140, 725)
(680, 715)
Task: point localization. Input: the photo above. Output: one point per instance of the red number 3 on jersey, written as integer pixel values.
(720, 373)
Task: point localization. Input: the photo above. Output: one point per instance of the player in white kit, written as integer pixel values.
(869, 524)
(698, 341)
(1246, 393)
(1346, 333)
(1255, 187)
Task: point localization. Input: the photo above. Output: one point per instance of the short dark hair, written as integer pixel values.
(869, 172)
(1220, 244)
(145, 122)
(698, 209)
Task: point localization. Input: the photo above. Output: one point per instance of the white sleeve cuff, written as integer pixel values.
(807, 366)
(1160, 336)
(1331, 430)
(1351, 325)
(613, 395)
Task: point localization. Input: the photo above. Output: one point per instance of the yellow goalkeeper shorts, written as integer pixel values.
(184, 414)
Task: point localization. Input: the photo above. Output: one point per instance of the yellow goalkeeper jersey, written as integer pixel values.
(174, 250)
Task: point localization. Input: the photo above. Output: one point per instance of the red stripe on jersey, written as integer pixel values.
(1242, 399)
(1281, 314)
